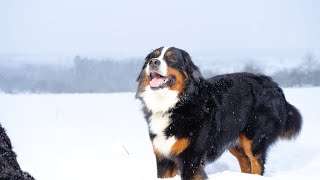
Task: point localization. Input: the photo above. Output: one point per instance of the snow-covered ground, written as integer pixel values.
(104, 136)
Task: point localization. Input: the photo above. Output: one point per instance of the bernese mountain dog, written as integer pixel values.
(9, 167)
(193, 120)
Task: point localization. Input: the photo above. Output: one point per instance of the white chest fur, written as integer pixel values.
(158, 122)
(159, 100)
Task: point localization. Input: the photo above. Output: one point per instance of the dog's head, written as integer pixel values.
(167, 74)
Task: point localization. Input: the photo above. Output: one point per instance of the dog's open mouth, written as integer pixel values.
(158, 81)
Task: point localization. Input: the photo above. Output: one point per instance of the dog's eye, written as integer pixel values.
(171, 60)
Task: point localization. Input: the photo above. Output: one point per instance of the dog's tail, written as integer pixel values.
(293, 123)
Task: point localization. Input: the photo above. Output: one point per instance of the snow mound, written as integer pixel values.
(104, 136)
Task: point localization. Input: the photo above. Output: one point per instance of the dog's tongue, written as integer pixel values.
(156, 81)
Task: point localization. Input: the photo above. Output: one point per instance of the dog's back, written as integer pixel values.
(263, 114)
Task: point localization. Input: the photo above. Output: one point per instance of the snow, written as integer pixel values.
(104, 136)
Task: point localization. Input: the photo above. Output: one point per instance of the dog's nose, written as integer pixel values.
(154, 63)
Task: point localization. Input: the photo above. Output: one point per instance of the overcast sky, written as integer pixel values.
(133, 27)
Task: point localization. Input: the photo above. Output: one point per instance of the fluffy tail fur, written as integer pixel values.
(293, 123)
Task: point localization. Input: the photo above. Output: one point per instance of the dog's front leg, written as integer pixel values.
(166, 168)
(193, 169)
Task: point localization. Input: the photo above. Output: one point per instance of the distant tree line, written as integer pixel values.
(101, 76)
(85, 76)
(306, 74)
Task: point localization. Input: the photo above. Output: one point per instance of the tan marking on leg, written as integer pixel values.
(244, 161)
(167, 174)
(171, 173)
(246, 145)
(198, 176)
(175, 171)
(179, 146)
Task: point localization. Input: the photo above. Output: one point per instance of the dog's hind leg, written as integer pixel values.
(243, 159)
(257, 165)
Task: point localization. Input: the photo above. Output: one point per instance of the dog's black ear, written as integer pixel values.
(192, 70)
(143, 67)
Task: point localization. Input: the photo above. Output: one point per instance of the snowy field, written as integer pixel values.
(104, 136)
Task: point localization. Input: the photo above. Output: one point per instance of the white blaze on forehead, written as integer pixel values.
(164, 50)
(163, 65)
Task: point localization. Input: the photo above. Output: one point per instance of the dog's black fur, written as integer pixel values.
(242, 112)
(9, 167)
